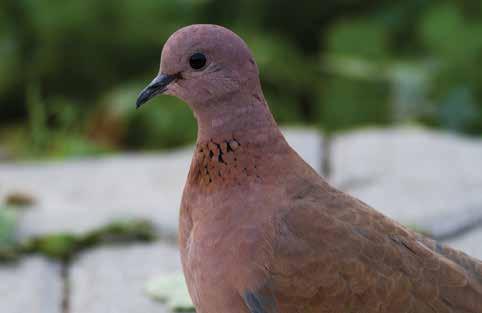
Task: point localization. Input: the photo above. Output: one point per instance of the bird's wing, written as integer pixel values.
(468, 263)
(333, 253)
(261, 300)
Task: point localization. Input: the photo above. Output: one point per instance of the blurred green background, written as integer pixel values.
(70, 70)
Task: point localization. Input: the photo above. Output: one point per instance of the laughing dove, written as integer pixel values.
(261, 232)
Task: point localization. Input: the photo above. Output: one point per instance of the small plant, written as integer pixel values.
(64, 246)
(8, 221)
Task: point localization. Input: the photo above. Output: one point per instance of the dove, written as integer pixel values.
(261, 232)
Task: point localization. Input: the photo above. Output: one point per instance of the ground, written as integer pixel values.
(427, 180)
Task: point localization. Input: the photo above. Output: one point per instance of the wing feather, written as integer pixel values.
(334, 253)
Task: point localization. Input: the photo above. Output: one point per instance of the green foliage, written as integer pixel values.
(355, 95)
(458, 110)
(288, 76)
(63, 246)
(350, 102)
(120, 231)
(56, 246)
(456, 43)
(53, 129)
(8, 219)
(37, 118)
(164, 122)
(64, 65)
(444, 26)
(360, 38)
(9, 63)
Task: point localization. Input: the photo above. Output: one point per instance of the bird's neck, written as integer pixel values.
(236, 145)
(238, 114)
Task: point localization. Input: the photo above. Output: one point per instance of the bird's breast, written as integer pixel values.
(214, 257)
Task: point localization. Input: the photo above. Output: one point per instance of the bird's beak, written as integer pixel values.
(157, 86)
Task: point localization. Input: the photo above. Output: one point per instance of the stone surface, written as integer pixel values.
(308, 143)
(84, 194)
(80, 195)
(172, 290)
(31, 285)
(114, 279)
(470, 243)
(455, 224)
(410, 174)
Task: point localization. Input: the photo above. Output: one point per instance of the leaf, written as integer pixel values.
(458, 109)
(8, 220)
(8, 223)
(359, 38)
(57, 246)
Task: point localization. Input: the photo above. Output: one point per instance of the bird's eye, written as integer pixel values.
(197, 61)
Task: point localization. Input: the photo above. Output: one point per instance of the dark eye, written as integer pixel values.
(197, 61)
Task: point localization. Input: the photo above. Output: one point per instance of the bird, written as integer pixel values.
(261, 232)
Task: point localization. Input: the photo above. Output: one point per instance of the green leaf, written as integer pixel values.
(359, 38)
(58, 246)
(8, 220)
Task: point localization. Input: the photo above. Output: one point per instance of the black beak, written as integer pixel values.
(157, 86)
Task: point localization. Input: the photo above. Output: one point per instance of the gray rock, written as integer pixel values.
(31, 285)
(308, 143)
(80, 195)
(113, 279)
(409, 174)
(470, 243)
(453, 225)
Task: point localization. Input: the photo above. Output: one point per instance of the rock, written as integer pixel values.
(458, 223)
(409, 174)
(113, 279)
(308, 143)
(80, 195)
(31, 285)
(172, 290)
(470, 243)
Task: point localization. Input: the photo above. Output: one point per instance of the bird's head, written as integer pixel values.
(203, 65)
